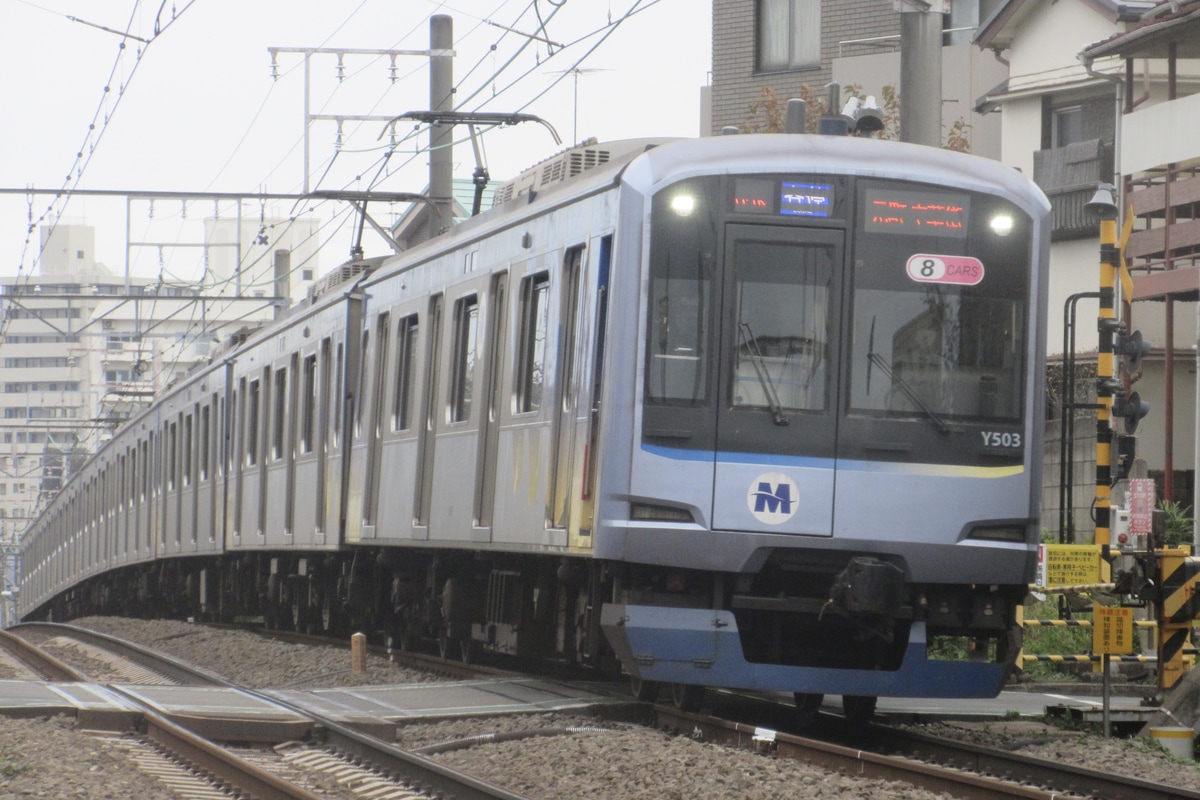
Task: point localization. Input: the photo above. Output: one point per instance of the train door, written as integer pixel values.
(777, 421)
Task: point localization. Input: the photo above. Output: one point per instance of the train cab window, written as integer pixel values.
(682, 261)
(466, 333)
(309, 404)
(406, 364)
(253, 401)
(939, 307)
(781, 307)
(280, 416)
(531, 355)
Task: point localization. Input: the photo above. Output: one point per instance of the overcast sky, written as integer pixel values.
(199, 110)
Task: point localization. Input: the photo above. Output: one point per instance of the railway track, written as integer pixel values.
(960, 769)
(360, 765)
(934, 763)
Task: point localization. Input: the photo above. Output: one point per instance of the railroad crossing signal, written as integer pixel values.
(1131, 409)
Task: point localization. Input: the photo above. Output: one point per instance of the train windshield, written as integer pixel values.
(830, 316)
(940, 292)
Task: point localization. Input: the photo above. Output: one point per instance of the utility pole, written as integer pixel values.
(921, 70)
(441, 137)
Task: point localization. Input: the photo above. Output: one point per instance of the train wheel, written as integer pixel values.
(859, 710)
(687, 696)
(326, 612)
(808, 707)
(404, 637)
(643, 690)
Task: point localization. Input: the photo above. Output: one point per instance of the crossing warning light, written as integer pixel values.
(1132, 347)
(1131, 409)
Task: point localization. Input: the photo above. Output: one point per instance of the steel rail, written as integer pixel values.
(39, 659)
(171, 668)
(971, 770)
(216, 762)
(420, 773)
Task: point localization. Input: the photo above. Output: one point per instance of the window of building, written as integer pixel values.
(789, 34)
(1067, 126)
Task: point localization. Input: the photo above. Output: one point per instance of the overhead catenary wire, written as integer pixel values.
(470, 89)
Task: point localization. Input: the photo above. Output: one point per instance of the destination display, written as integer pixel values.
(916, 213)
(791, 198)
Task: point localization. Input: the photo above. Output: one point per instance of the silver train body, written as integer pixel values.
(750, 411)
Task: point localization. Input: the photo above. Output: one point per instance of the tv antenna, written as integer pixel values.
(575, 72)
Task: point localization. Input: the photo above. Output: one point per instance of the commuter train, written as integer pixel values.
(746, 411)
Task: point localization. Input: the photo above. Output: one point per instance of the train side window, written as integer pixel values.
(360, 392)
(466, 333)
(205, 440)
(531, 346)
(279, 418)
(145, 488)
(406, 364)
(337, 394)
(309, 404)
(188, 433)
(252, 404)
(172, 445)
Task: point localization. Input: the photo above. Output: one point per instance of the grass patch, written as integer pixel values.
(1053, 641)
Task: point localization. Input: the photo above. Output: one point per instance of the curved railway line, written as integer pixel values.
(357, 761)
(960, 769)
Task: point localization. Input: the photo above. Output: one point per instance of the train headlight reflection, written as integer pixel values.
(1001, 224)
(683, 204)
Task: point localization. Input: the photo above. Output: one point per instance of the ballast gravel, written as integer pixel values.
(563, 757)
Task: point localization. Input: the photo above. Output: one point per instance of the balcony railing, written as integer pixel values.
(1069, 176)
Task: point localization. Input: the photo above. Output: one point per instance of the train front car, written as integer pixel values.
(834, 457)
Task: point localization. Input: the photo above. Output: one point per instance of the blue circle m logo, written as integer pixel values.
(772, 498)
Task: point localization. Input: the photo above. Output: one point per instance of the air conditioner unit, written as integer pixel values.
(106, 324)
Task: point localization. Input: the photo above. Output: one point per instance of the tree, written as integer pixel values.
(768, 114)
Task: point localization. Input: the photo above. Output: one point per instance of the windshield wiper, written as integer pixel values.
(909, 392)
(764, 378)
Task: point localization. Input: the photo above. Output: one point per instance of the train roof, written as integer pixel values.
(812, 153)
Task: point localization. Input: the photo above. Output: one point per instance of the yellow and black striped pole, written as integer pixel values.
(1104, 206)
(1178, 606)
